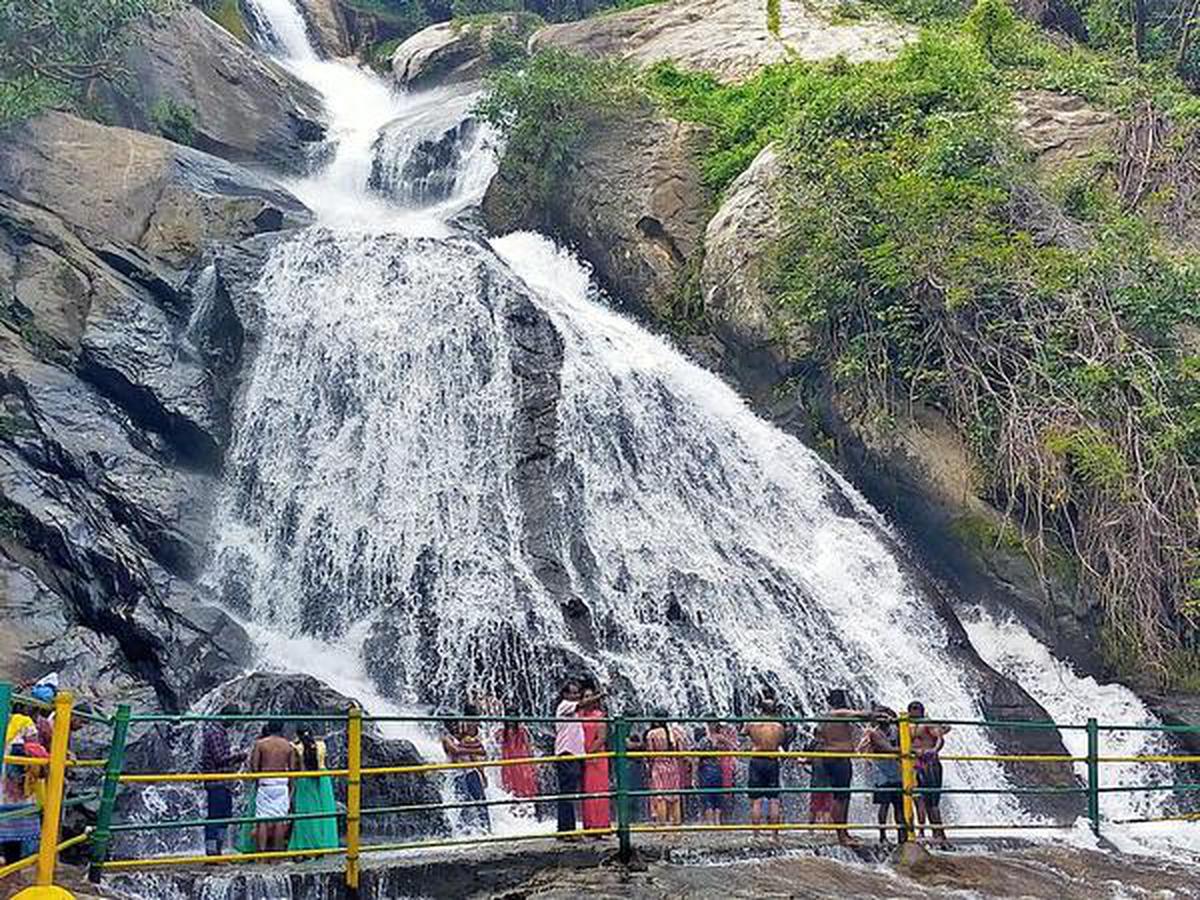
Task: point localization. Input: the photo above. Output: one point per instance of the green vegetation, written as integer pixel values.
(227, 14)
(174, 121)
(935, 263)
(545, 105)
(773, 17)
(51, 49)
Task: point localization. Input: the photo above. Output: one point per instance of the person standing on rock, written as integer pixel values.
(463, 744)
(272, 753)
(834, 773)
(216, 757)
(312, 795)
(927, 742)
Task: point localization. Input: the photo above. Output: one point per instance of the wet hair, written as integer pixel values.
(311, 761)
(917, 708)
(837, 698)
(273, 728)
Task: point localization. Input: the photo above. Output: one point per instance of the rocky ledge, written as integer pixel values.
(118, 366)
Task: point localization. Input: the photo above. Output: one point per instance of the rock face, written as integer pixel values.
(632, 202)
(729, 38)
(1061, 128)
(327, 26)
(117, 368)
(734, 277)
(193, 81)
(451, 52)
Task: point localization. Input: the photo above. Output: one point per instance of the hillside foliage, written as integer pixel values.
(51, 49)
(1042, 313)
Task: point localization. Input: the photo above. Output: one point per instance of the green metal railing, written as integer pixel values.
(623, 796)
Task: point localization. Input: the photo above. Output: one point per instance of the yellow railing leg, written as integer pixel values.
(56, 782)
(353, 795)
(908, 774)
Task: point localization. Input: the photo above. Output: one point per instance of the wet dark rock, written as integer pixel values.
(238, 104)
(119, 360)
(429, 173)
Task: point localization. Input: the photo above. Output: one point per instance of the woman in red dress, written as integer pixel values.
(519, 780)
(595, 771)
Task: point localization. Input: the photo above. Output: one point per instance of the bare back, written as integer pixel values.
(765, 736)
(836, 735)
(272, 754)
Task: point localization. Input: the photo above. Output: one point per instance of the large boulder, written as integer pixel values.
(455, 52)
(632, 201)
(735, 277)
(175, 747)
(120, 187)
(118, 363)
(728, 38)
(191, 80)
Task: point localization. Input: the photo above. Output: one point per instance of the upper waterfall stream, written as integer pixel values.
(458, 470)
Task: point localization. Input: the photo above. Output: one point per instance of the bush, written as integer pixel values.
(50, 49)
(174, 121)
(543, 107)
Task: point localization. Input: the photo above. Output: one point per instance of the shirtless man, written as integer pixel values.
(927, 741)
(272, 753)
(766, 736)
(837, 737)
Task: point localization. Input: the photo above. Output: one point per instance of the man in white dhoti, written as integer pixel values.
(272, 753)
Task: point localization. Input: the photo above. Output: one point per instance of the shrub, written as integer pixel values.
(50, 49)
(544, 106)
(173, 120)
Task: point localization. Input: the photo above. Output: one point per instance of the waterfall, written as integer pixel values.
(461, 472)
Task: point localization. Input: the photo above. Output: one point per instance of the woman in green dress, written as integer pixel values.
(312, 795)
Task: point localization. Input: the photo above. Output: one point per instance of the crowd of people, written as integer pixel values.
(583, 785)
(692, 779)
(269, 800)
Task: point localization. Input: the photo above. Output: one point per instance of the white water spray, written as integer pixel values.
(374, 506)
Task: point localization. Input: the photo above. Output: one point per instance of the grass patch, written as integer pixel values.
(174, 121)
(228, 14)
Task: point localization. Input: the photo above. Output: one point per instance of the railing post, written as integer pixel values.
(908, 774)
(55, 785)
(1093, 765)
(5, 711)
(353, 795)
(108, 794)
(621, 761)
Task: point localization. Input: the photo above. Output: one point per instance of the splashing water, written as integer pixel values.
(461, 471)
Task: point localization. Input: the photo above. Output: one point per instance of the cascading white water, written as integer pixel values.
(382, 495)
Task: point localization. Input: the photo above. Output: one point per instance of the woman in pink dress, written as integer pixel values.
(519, 780)
(595, 771)
(671, 773)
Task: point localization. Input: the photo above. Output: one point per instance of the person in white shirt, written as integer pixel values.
(568, 742)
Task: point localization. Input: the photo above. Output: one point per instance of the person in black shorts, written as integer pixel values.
(927, 741)
(766, 736)
(837, 736)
